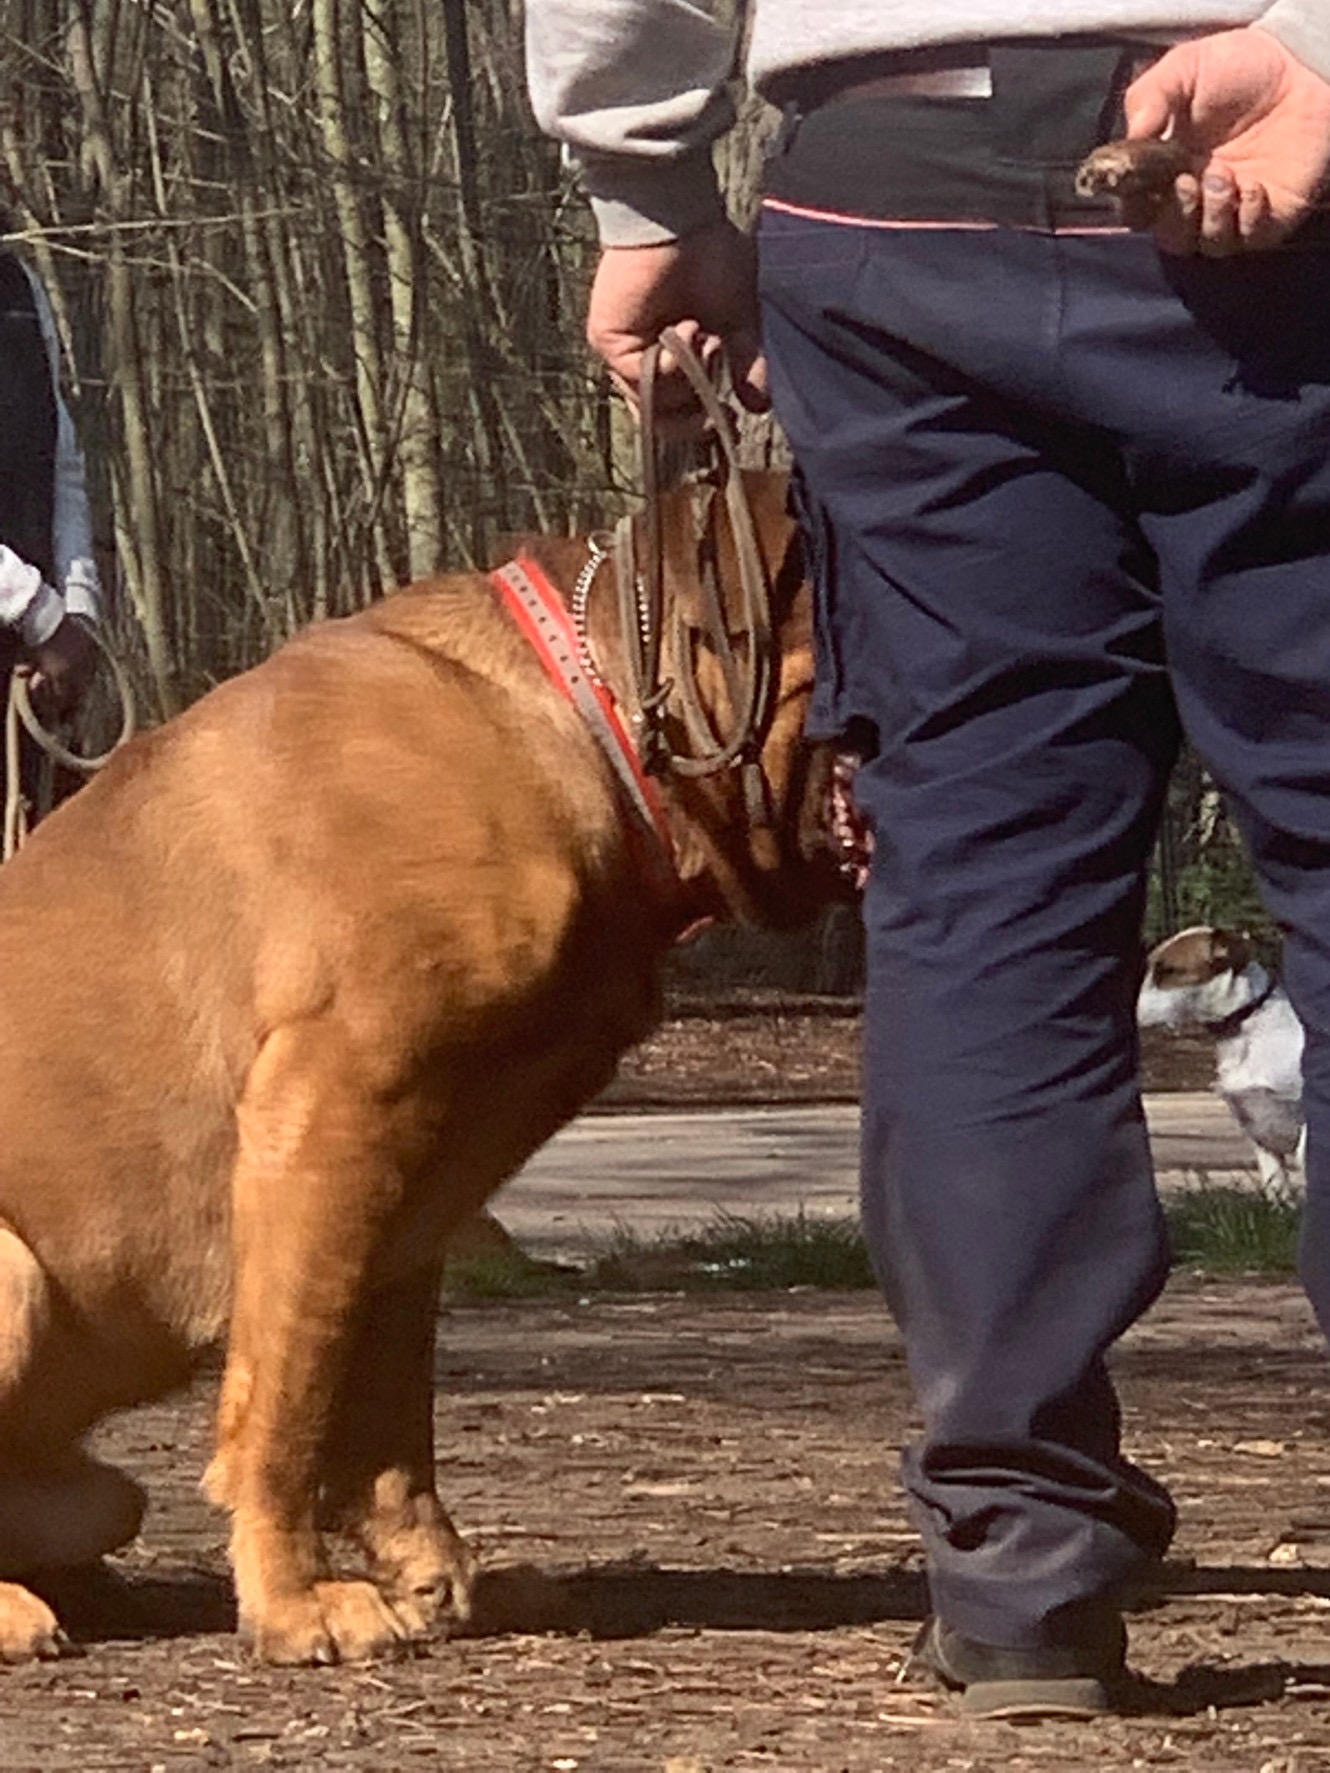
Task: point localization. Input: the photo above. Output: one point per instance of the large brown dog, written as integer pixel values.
(285, 994)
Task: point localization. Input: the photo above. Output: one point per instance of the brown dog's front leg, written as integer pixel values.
(316, 1181)
(379, 1482)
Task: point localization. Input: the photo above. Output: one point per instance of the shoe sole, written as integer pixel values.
(1025, 1699)
(1081, 1697)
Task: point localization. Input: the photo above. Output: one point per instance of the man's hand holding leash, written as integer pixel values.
(63, 667)
(704, 285)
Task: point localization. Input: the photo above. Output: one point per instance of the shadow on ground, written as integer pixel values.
(636, 1600)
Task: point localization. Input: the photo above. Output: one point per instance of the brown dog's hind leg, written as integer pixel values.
(57, 1506)
(379, 1484)
(317, 1180)
(28, 1627)
(70, 1511)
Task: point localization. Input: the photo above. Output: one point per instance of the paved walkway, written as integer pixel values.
(659, 1172)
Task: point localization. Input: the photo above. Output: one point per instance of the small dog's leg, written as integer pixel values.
(317, 1178)
(1269, 1173)
(379, 1484)
(1280, 1178)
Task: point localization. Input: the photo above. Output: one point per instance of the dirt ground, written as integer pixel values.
(696, 1558)
(756, 1050)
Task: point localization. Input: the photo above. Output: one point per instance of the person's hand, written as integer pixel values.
(63, 667)
(705, 286)
(1258, 122)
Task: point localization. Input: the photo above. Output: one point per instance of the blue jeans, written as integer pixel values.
(1063, 497)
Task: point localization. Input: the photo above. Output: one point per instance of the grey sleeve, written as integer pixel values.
(76, 573)
(1303, 27)
(638, 91)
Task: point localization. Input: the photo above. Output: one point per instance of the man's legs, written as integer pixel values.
(990, 607)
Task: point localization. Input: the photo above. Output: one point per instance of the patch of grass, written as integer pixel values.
(1218, 1230)
(732, 1254)
(1233, 1231)
(738, 1254)
(509, 1275)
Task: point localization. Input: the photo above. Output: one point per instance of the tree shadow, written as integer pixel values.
(626, 1600)
(97, 1602)
(634, 1599)
(1207, 1686)
(1203, 1687)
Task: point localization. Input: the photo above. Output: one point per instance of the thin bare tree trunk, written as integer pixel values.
(331, 107)
(417, 426)
(138, 529)
(476, 296)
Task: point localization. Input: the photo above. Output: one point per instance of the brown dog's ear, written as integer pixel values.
(1230, 950)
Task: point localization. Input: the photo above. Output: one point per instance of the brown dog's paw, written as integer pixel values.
(425, 1565)
(29, 1630)
(332, 1622)
(433, 1587)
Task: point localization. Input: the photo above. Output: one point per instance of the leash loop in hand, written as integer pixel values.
(20, 712)
(747, 657)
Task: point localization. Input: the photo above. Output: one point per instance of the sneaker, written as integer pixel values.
(1072, 1680)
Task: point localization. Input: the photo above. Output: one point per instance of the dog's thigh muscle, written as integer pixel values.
(318, 1178)
(379, 1480)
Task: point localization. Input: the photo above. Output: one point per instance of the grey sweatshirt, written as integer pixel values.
(638, 90)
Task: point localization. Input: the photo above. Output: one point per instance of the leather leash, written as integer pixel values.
(19, 713)
(558, 632)
(746, 659)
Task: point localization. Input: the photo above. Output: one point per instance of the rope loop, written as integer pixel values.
(746, 659)
(21, 713)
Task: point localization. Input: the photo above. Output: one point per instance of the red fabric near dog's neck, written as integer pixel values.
(541, 614)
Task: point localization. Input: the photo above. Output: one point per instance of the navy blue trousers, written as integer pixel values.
(1064, 497)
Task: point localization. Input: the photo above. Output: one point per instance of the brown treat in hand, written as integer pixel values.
(1137, 175)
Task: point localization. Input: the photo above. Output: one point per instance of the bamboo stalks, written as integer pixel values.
(138, 533)
(321, 282)
(331, 84)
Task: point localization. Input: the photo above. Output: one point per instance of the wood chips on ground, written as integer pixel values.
(696, 1558)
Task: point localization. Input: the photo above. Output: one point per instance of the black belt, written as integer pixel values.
(969, 131)
(952, 70)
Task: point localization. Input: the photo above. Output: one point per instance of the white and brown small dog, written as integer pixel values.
(1205, 980)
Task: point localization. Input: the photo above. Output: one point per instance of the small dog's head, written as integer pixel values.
(1197, 978)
